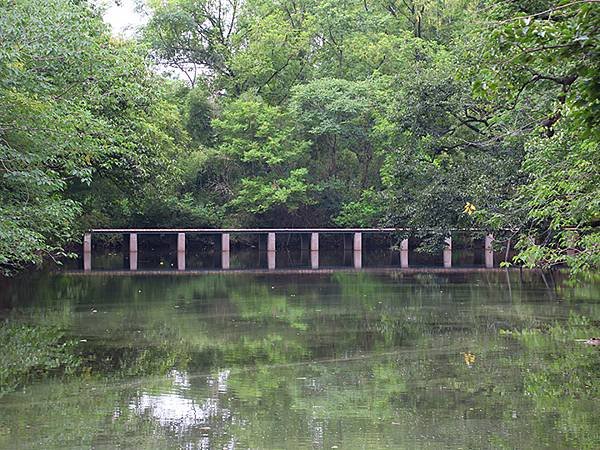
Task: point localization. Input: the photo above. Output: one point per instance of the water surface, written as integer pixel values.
(350, 359)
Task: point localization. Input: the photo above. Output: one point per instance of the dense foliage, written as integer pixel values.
(303, 113)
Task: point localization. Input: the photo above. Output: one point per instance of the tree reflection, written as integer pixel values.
(353, 359)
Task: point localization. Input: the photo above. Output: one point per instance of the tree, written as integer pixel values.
(340, 117)
(87, 131)
(46, 139)
(542, 73)
(262, 144)
(196, 37)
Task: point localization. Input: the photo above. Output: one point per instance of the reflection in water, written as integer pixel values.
(348, 359)
(182, 415)
(175, 411)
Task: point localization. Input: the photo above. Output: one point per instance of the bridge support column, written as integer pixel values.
(180, 251)
(314, 260)
(271, 242)
(489, 251)
(404, 253)
(133, 251)
(271, 251)
(357, 250)
(314, 250)
(357, 242)
(87, 252)
(314, 242)
(225, 251)
(357, 260)
(448, 252)
(225, 242)
(271, 260)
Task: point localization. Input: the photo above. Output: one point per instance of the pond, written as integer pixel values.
(343, 359)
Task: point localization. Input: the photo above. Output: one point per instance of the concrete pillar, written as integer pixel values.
(133, 251)
(314, 250)
(133, 244)
(314, 242)
(271, 242)
(404, 253)
(180, 251)
(225, 251)
(271, 260)
(357, 250)
(225, 242)
(87, 252)
(489, 251)
(133, 261)
(181, 242)
(448, 252)
(271, 251)
(357, 259)
(357, 247)
(224, 260)
(314, 259)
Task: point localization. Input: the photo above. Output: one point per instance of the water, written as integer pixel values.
(349, 359)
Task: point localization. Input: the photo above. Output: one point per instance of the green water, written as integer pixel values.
(353, 360)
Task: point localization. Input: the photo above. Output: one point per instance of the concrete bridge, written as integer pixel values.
(352, 239)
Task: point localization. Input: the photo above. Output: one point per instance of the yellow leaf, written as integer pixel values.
(469, 208)
(469, 358)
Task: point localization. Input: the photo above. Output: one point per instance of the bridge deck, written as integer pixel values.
(262, 230)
